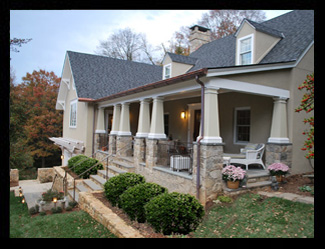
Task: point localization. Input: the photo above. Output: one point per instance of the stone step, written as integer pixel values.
(128, 159)
(102, 173)
(92, 185)
(116, 170)
(98, 179)
(126, 165)
(258, 184)
(70, 192)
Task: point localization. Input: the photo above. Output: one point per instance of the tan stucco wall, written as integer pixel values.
(177, 68)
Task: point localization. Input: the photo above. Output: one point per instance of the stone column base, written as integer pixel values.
(112, 145)
(139, 151)
(276, 153)
(124, 146)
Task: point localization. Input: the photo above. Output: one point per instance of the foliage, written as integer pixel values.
(76, 224)
(307, 188)
(174, 213)
(134, 199)
(251, 216)
(225, 199)
(278, 169)
(17, 42)
(116, 186)
(56, 210)
(307, 105)
(50, 194)
(233, 173)
(33, 118)
(79, 164)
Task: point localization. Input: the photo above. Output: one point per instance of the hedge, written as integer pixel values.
(80, 163)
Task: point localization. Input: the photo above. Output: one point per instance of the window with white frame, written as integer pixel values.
(73, 114)
(167, 71)
(245, 50)
(242, 124)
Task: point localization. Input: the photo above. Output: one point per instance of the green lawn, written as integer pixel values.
(76, 224)
(251, 216)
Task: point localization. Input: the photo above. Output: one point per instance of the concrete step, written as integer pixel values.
(92, 185)
(82, 188)
(258, 184)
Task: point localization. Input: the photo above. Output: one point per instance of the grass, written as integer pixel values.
(251, 216)
(76, 224)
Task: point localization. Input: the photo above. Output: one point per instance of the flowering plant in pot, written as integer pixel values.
(278, 170)
(233, 175)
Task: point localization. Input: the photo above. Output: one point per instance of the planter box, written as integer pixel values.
(47, 206)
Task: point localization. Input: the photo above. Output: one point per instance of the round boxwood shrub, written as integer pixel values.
(82, 163)
(116, 185)
(134, 199)
(174, 213)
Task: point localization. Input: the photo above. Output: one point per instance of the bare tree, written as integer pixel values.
(127, 45)
(226, 22)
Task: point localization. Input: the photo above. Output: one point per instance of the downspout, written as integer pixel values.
(200, 138)
(93, 142)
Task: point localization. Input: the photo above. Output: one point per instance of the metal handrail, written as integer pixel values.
(106, 176)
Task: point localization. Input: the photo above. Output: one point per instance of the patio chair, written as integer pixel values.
(251, 154)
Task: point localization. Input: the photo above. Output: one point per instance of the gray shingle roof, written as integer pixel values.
(100, 76)
(182, 58)
(298, 30)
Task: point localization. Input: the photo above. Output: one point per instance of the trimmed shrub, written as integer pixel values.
(80, 167)
(116, 185)
(174, 213)
(134, 199)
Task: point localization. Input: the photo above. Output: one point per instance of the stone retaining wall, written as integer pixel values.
(45, 175)
(104, 215)
(14, 175)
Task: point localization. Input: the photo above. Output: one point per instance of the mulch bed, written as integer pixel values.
(144, 228)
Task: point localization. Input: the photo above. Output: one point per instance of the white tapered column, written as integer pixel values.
(279, 127)
(100, 121)
(116, 119)
(144, 119)
(124, 129)
(211, 118)
(157, 129)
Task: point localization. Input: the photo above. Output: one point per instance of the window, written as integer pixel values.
(245, 47)
(242, 124)
(167, 71)
(73, 114)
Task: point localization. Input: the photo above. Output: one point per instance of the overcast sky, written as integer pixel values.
(53, 32)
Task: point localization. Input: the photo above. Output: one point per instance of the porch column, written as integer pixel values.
(279, 127)
(211, 118)
(144, 119)
(116, 119)
(100, 121)
(124, 128)
(157, 129)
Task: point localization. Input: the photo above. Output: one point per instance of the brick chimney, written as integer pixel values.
(199, 36)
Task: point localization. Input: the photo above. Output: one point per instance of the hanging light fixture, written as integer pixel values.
(183, 114)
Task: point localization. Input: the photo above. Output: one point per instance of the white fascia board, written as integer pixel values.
(245, 87)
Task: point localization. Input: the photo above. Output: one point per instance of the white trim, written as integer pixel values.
(142, 134)
(124, 133)
(211, 140)
(241, 26)
(278, 140)
(170, 71)
(157, 136)
(252, 37)
(72, 102)
(247, 87)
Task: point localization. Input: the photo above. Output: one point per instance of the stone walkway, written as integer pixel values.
(289, 196)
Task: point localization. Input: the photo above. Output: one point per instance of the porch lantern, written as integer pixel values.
(62, 157)
(183, 115)
(55, 200)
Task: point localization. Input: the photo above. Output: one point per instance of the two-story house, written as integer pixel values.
(245, 86)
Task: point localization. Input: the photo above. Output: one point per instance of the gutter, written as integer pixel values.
(200, 138)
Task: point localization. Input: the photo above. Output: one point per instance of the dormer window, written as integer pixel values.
(245, 54)
(167, 71)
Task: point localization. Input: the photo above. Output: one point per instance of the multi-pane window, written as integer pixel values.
(245, 51)
(167, 71)
(243, 122)
(73, 114)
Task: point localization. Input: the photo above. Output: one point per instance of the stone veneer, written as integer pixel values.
(124, 146)
(278, 153)
(45, 174)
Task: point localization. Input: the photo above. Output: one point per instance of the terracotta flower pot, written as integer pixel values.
(280, 178)
(233, 185)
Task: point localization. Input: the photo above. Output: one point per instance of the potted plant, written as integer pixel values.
(51, 199)
(233, 175)
(278, 170)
